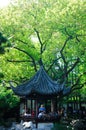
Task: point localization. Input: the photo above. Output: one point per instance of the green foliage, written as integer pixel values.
(7, 101)
(30, 25)
(2, 39)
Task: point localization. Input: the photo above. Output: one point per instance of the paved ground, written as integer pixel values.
(41, 126)
(45, 126)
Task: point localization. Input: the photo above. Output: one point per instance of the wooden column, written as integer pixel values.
(36, 107)
(25, 105)
(52, 105)
(31, 105)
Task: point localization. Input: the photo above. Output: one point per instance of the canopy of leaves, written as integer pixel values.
(54, 31)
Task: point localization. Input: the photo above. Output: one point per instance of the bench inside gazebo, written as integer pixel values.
(40, 89)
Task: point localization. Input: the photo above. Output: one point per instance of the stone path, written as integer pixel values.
(41, 126)
(45, 126)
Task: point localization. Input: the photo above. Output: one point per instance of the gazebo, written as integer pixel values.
(40, 87)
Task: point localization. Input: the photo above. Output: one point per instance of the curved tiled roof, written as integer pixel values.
(39, 84)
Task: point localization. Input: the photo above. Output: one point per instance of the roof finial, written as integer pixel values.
(41, 62)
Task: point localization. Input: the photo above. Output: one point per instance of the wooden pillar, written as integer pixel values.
(31, 105)
(25, 105)
(55, 104)
(52, 105)
(36, 107)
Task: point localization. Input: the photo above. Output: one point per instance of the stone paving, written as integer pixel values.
(41, 126)
(45, 126)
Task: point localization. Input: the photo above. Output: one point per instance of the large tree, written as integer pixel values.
(48, 33)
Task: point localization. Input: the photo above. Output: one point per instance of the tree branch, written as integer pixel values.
(74, 65)
(25, 43)
(79, 86)
(41, 49)
(61, 51)
(53, 62)
(22, 41)
(24, 52)
(70, 36)
(77, 83)
(76, 36)
(33, 61)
